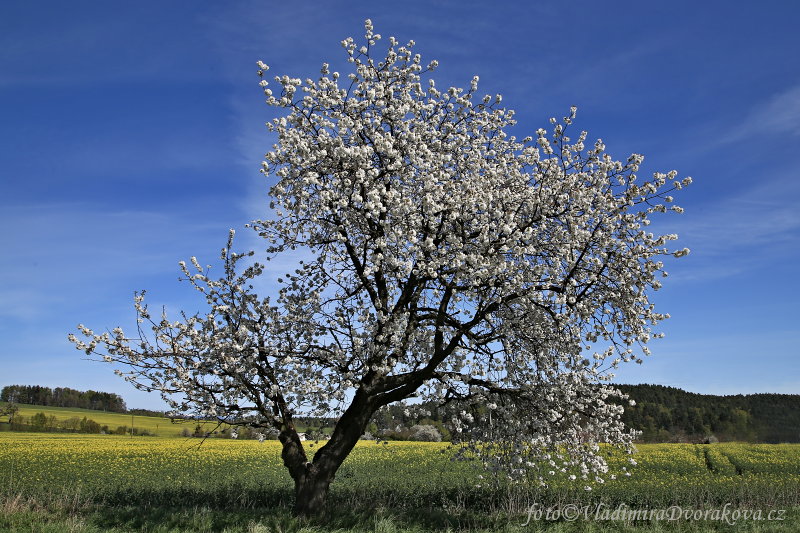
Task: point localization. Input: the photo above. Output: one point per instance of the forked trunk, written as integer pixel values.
(312, 478)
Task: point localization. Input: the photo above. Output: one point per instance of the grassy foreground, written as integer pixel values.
(23, 516)
(61, 482)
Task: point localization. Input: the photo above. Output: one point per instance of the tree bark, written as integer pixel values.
(311, 491)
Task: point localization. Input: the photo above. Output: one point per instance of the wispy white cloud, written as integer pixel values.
(57, 254)
(65, 263)
(169, 152)
(741, 233)
(777, 115)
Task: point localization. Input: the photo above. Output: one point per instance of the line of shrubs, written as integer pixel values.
(417, 432)
(41, 422)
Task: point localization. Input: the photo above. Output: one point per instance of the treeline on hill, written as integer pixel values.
(63, 397)
(662, 414)
(66, 397)
(668, 414)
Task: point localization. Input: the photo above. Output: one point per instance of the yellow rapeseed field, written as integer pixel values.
(232, 472)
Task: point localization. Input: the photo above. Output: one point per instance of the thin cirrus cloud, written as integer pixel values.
(58, 251)
(777, 115)
(745, 232)
(757, 226)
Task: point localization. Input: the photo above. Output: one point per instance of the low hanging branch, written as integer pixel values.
(452, 262)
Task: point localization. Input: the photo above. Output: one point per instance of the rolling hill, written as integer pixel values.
(157, 426)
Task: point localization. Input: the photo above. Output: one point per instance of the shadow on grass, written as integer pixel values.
(380, 520)
(228, 507)
(190, 519)
(281, 519)
(220, 509)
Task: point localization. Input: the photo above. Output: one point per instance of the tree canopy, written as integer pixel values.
(451, 262)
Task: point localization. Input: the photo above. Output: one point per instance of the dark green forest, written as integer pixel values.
(63, 397)
(668, 414)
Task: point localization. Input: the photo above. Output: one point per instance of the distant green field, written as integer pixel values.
(159, 426)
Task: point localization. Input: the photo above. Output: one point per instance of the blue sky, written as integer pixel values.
(132, 134)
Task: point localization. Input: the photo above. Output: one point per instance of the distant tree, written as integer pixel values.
(425, 432)
(316, 434)
(145, 412)
(87, 425)
(18, 423)
(39, 422)
(62, 397)
(269, 434)
(9, 410)
(439, 426)
(450, 261)
(72, 423)
(9, 394)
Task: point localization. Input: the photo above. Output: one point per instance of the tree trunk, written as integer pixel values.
(312, 478)
(311, 491)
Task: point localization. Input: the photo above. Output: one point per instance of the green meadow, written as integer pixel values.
(156, 426)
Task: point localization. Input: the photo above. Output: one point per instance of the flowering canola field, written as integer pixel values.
(224, 472)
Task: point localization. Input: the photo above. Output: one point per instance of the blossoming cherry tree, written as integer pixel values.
(451, 262)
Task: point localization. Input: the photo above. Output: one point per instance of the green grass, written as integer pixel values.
(71, 515)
